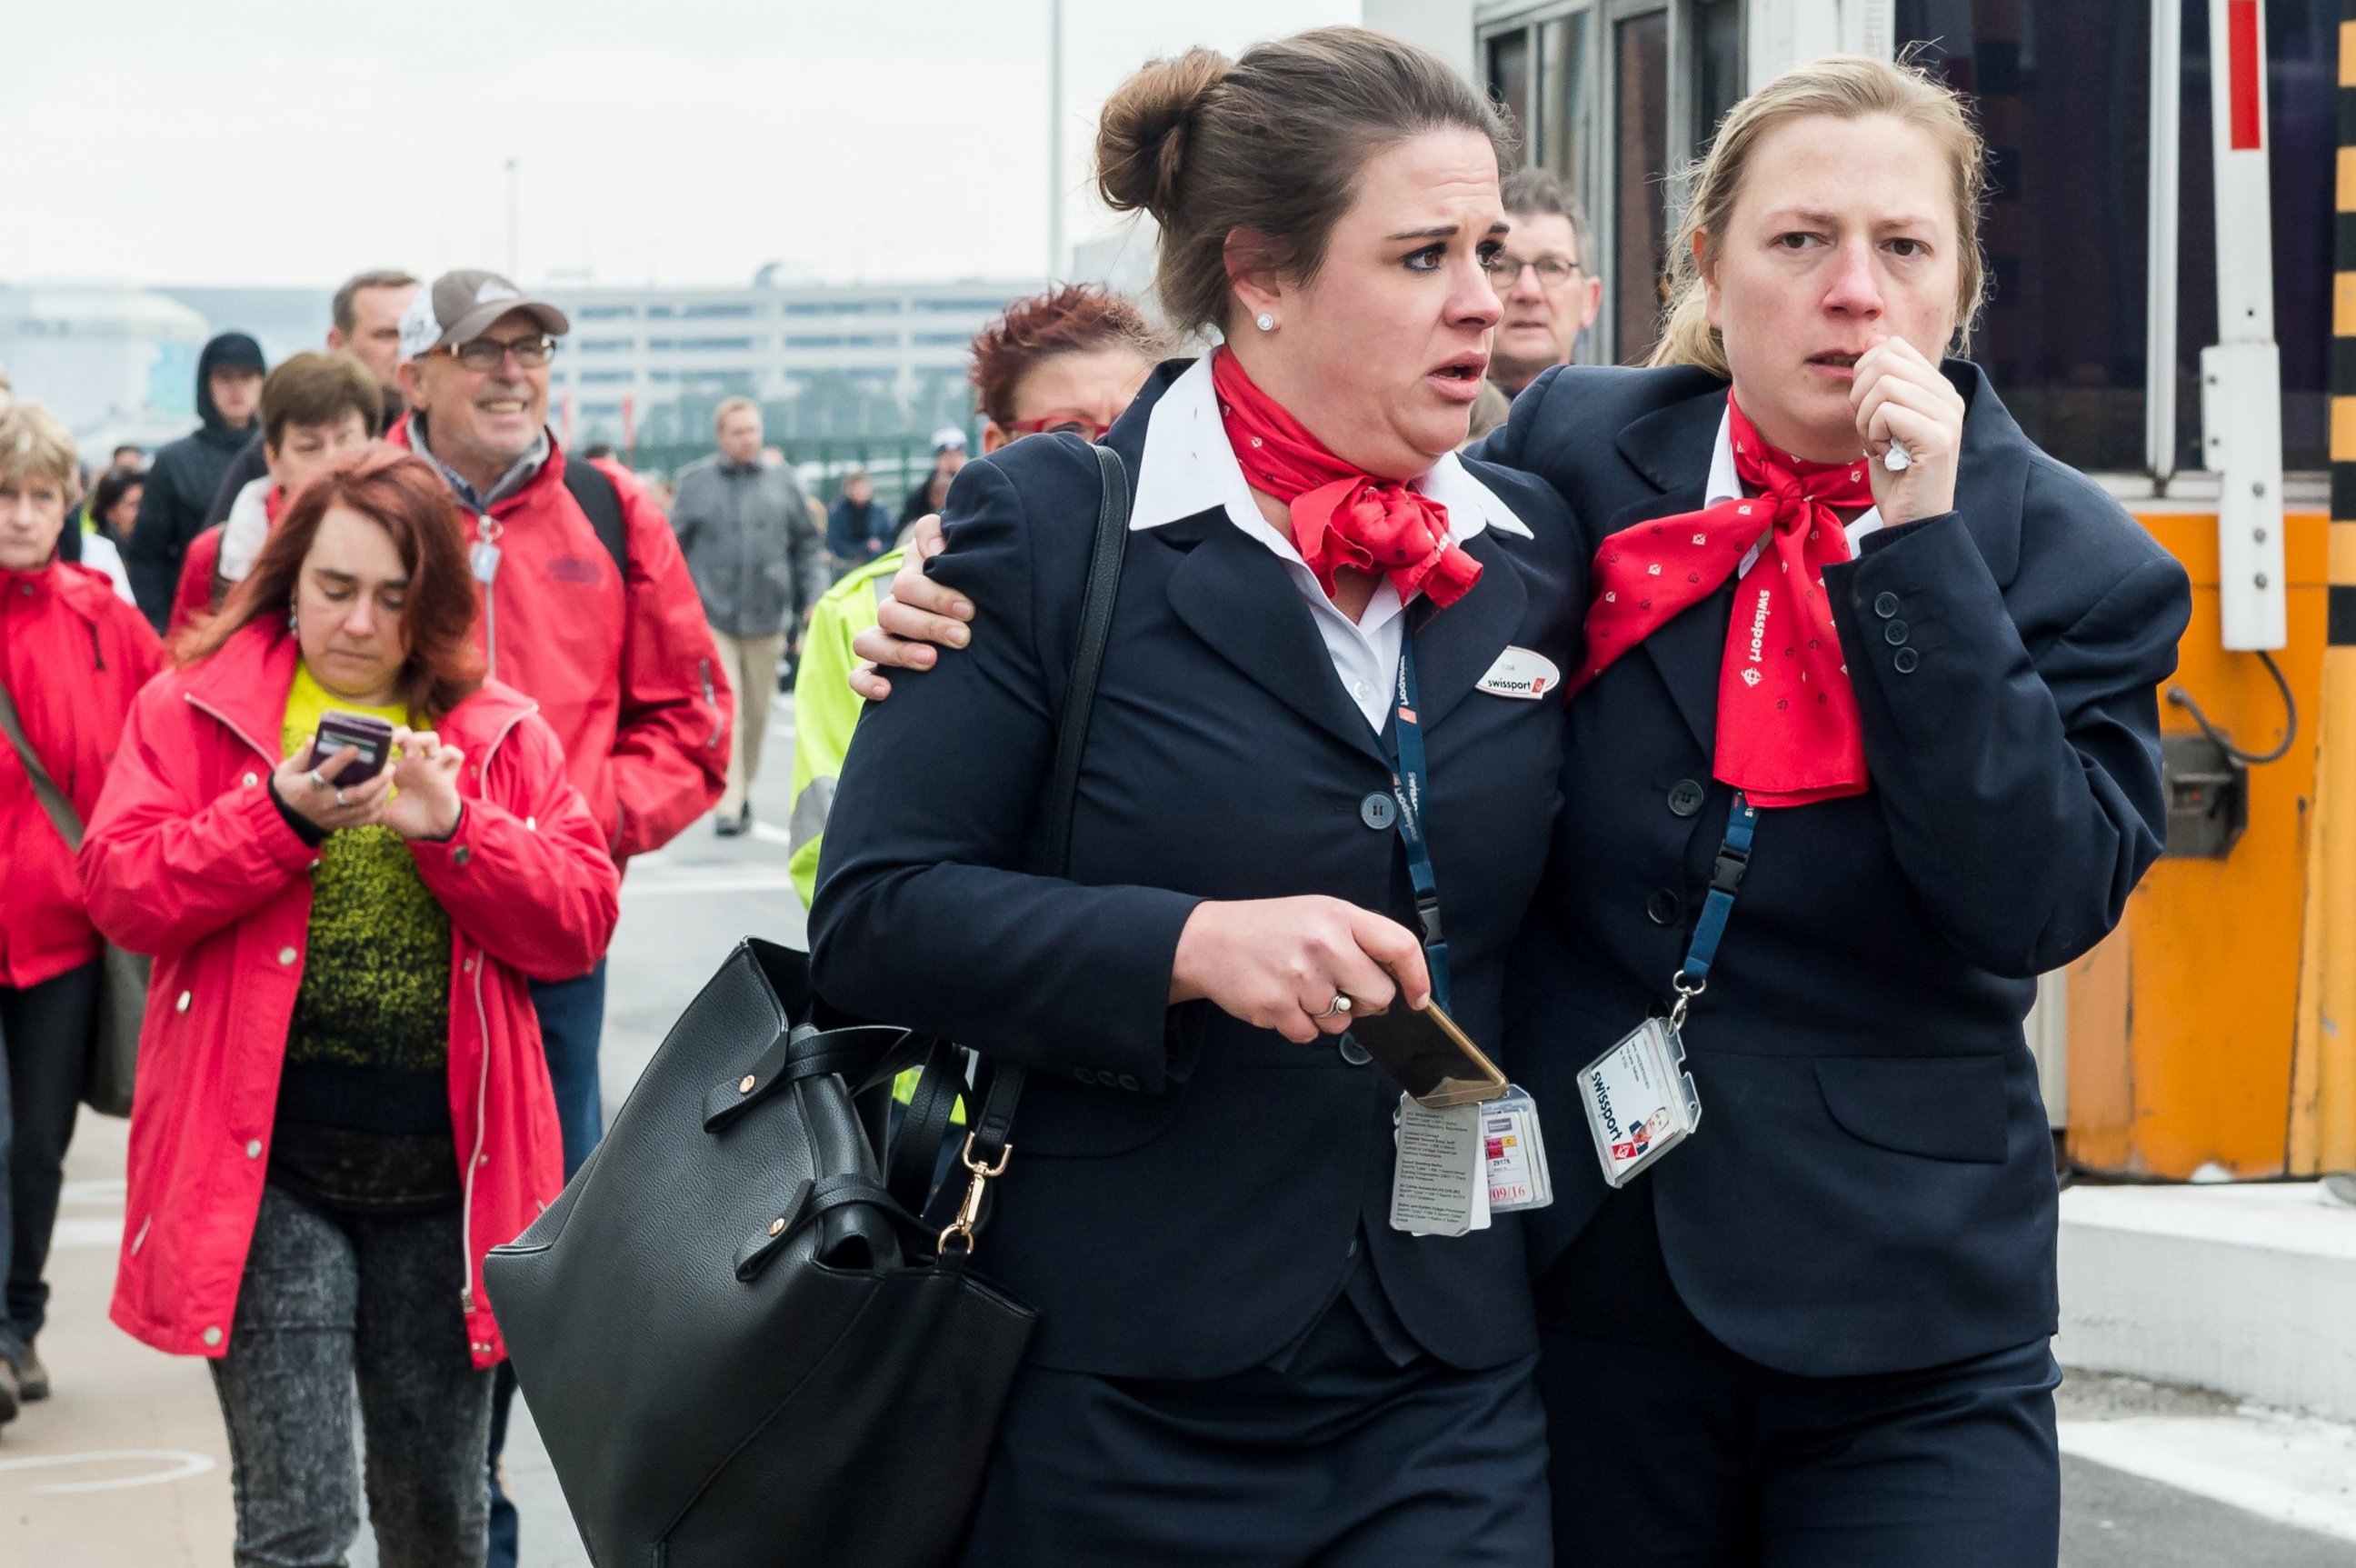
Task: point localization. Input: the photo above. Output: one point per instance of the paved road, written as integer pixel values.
(126, 1467)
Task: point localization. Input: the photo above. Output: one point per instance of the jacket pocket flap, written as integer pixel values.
(1945, 1108)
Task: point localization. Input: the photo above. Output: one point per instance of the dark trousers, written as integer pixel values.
(331, 1302)
(572, 1025)
(1336, 1456)
(1672, 1451)
(45, 1048)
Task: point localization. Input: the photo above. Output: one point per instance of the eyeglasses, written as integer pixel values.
(1059, 424)
(489, 353)
(1505, 270)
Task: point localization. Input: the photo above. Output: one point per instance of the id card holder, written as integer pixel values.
(1515, 1152)
(1640, 1100)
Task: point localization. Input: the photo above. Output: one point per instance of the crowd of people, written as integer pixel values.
(349, 708)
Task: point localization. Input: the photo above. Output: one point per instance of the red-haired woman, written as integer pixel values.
(343, 1101)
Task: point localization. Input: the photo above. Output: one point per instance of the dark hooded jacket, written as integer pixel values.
(182, 481)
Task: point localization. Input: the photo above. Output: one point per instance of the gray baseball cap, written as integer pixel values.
(460, 307)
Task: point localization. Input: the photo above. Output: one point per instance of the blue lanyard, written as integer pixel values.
(1725, 881)
(1410, 781)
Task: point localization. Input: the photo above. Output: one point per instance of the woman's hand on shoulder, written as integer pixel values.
(425, 777)
(305, 789)
(1899, 395)
(919, 614)
(1279, 963)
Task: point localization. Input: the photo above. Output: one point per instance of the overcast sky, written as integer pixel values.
(678, 141)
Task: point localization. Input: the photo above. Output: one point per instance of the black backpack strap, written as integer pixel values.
(603, 505)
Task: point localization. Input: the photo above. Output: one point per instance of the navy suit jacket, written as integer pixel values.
(1872, 1188)
(1187, 1192)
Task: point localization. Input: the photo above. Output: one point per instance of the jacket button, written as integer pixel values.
(1084, 1074)
(252, 779)
(1905, 661)
(182, 1005)
(1352, 1052)
(253, 1148)
(286, 955)
(1661, 908)
(1895, 633)
(1885, 605)
(1378, 810)
(461, 855)
(1685, 798)
(212, 1336)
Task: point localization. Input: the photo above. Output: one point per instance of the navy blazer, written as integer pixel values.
(1187, 1192)
(1871, 1188)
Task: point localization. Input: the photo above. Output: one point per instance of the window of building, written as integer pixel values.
(961, 306)
(716, 345)
(605, 312)
(605, 378)
(813, 339)
(2063, 97)
(1637, 223)
(940, 339)
(2302, 111)
(608, 344)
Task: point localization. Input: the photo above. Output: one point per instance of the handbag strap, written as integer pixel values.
(986, 1142)
(53, 799)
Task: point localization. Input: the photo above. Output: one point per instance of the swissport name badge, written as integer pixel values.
(1519, 672)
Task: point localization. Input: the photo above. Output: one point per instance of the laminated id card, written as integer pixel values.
(1640, 1100)
(1440, 1183)
(1515, 1150)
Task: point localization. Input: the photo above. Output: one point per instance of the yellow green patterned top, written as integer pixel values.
(376, 970)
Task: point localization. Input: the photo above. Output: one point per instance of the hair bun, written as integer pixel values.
(1141, 136)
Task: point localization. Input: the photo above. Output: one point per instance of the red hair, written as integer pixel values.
(1077, 318)
(401, 494)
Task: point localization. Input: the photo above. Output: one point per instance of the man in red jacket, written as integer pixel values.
(587, 607)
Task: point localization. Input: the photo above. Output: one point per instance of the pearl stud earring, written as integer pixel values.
(1265, 322)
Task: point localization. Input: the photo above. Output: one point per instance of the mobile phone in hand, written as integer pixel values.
(1426, 1055)
(370, 735)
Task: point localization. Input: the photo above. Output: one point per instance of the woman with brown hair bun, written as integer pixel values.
(1307, 741)
(343, 1099)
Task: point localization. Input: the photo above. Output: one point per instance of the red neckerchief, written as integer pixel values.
(1787, 725)
(1341, 516)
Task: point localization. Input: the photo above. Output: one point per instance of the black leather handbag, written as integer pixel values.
(740, 1343)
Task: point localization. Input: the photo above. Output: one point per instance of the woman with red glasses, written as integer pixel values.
(1065, 362)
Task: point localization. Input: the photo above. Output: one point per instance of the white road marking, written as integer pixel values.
(720, 882)
(769, 832)
(181, 1466)
(77, 1233)
(2292, 1469)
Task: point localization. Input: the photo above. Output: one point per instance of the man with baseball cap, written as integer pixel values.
(587, 608)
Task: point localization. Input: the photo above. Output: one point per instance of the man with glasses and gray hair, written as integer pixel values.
(1550, 293)
(586, 607)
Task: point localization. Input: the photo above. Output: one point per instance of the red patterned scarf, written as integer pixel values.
(1787, 725)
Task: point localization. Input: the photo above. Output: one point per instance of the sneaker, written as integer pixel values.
(9, 1395)
(729, 827)
(32, 1377)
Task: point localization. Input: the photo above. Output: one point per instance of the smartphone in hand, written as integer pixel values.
(1426, 1055)
(370, 736)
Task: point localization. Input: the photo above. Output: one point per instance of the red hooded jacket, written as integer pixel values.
(72, 656)
(627, 675)
(189, 859)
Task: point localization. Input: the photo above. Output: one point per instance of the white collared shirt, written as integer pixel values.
(1187, 466)
(1726, 485)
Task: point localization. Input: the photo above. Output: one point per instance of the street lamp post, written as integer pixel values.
(1054, 140)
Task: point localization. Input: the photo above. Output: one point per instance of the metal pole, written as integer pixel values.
(511, 219)
(1054, 140)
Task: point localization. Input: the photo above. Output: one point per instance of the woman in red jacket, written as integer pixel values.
(343, 1101)
(72, 656)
